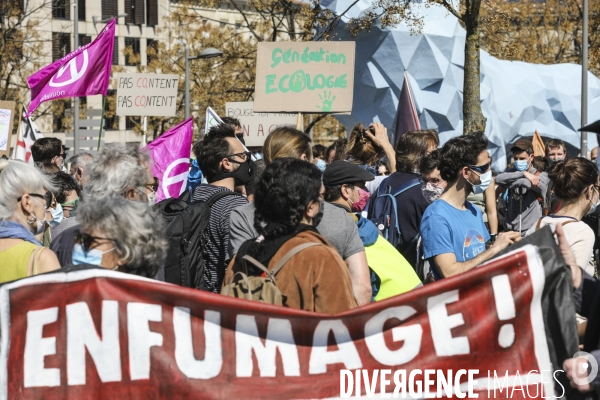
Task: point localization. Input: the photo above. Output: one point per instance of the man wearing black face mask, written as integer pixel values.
(226, 164)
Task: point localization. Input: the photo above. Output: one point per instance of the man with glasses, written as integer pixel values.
(48, 150)
(225, 163)
(454, 235)
(526, 189)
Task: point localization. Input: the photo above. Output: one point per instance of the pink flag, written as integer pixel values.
(84, 72)
(171, 155)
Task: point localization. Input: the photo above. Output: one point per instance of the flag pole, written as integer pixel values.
(101, 121)
(14, 156)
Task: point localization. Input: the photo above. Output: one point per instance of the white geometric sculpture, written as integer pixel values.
(517, 97)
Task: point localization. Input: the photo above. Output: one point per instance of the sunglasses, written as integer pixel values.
(86, 240)
(480, 168)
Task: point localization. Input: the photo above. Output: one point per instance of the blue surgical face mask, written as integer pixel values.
(321, 164)
(521, 165)
(92, 257)
(486, 179)
(57, 216)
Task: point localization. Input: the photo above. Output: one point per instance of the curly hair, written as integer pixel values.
(282, 195)
(285, 142)
(137, 229)
(361, 148)
(413, 146)
(459, 152)
(113, 171)
(572, 177)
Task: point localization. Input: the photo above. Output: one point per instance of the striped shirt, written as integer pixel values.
(215, 253)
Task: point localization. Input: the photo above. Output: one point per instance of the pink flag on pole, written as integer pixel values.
(84, 72)
(171, 155)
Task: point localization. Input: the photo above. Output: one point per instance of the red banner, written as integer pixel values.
(104, 334)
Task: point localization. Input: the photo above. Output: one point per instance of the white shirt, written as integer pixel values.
(579, 235)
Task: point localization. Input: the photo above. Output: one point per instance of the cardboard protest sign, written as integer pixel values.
(7, 113)
(147, 94)
(113, 335)
(304, 77)
(257, 126)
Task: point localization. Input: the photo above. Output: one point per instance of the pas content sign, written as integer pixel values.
(257, 126)
(152, 95)
(304, 77)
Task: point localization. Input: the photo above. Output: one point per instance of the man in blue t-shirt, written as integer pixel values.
(453, 232)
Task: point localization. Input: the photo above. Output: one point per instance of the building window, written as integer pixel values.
(135, 12)
(151, 50)
(151, 12)
(84, 39)
(132, 58)
(61, 45)
(81, 10)
(110, 8)
(60, 9)
(111, 121)
(132, 122)
(115, 57)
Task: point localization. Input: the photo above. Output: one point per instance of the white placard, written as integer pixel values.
(257, 126)
(152, 95)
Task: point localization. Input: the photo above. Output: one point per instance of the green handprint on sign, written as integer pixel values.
(327, 99)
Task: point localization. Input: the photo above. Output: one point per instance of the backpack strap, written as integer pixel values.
(291, 254)
(407, 185)
(218, 196)
(539, 223)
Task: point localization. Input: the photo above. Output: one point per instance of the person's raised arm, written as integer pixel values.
(381, 139)
(449, 266)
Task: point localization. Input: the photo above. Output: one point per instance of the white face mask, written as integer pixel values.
(151, 198)
(40, 226)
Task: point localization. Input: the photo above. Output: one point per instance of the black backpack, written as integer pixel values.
(186, 223)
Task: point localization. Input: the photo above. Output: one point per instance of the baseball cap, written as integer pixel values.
(522, 144)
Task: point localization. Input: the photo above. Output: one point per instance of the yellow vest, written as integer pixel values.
(396, 274)
(15, 260)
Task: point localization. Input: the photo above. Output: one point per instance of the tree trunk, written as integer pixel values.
(473, 119)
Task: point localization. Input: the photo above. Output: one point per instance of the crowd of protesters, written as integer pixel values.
(332, 228)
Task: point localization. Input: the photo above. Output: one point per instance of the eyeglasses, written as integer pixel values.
(39, 196)
(86, 240)
(480, 168)
(244, 155)
(152, 185)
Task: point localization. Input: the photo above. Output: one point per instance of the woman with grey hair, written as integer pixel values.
(121, 235)
(23, 208)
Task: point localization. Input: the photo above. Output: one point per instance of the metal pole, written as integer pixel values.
(187, 84)
(76, 99)
(584, 78)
